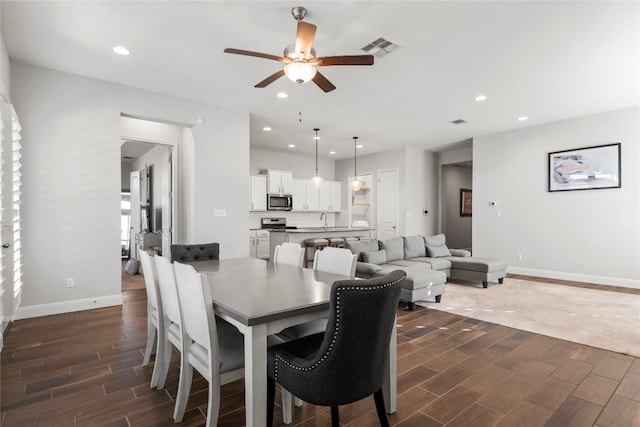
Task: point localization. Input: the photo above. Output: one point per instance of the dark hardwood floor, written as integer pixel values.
(84, 369)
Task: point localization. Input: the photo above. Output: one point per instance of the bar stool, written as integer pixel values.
(314, 244)
(336, 242)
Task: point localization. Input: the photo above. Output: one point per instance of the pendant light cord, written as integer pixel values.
(355, 157)
(316, 129)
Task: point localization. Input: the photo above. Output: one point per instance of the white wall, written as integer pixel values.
(415, 166)
(71, 173)
(302, 167)
(590, 235)
(5, 79)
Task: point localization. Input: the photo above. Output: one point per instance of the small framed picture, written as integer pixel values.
(465, 202)
(586, 168)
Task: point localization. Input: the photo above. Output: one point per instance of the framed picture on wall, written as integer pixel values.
(465, 202)
(586, 168)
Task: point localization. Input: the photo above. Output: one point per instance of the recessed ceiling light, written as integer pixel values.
(523, 118)
(121, 50)
(481, 98)
(332, 152)
(266, 128)
(359, 146)
(282, 95)
(291, 145)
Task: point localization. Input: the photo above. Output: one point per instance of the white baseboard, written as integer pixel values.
(586, 278)
(31, 311)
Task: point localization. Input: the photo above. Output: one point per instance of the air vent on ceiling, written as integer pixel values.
(380, 47)
(458, 121)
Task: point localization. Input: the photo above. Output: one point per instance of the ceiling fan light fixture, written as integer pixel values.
(300, 72)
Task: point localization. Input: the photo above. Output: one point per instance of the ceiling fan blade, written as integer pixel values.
(324, 61)
(304, 38)
(257, 54)
(272, 78)
(323, 83)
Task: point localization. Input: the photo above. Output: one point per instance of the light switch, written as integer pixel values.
(219, 212)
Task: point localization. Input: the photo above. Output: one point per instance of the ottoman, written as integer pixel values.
(421, 283)
(481, 269)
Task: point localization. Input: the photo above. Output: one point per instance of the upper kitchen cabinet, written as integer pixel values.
(331, 196)
(305, 196)
(258, 192)
(280, 182)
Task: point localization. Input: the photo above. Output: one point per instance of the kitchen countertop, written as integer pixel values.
(321, 229)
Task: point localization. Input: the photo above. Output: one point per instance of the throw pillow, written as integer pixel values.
(361, 246)
(436, 246)
(394, 248)
(375, 257)
(414, 247)
(460, 253)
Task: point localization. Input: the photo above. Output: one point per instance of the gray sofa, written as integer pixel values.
(428, 263)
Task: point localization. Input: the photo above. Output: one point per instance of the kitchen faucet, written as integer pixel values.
(325, 220)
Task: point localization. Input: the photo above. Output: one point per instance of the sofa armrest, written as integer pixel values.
(460, 253)
(366, 269)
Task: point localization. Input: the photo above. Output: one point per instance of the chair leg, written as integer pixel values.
(184, 387)
(298, 402)
(286, 405)
(335, 417)
(213, 407)
(152, 339)
(160, 362)
(164, 362)
(382, 412)
(271, 400)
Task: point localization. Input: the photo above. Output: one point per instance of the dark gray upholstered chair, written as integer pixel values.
(345, 363)
(191, 253)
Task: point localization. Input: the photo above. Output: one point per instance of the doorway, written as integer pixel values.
(387, 204)
(456, 180)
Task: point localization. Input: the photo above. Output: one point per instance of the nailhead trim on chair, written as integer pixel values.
(335, 334)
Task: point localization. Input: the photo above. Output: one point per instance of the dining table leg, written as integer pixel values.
(255, 375)
(390, 385)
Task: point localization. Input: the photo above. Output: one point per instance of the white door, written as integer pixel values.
(167, 193)
(135, 212)
(387, 204)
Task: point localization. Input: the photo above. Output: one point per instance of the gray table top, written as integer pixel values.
(255, 291)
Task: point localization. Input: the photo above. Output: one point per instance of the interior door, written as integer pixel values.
(387, 204)
(135, 212)
(167, 192)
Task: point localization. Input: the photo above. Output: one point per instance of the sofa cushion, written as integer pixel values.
(360, 246)
(366, 270)
(394, 248)
(435, 263)
(414, 247)
(407, 263)
(436, 246)
(375, 257)
(460, 252)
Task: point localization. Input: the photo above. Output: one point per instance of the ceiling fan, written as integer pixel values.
(301, 57)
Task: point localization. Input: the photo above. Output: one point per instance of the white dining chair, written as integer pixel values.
(213, 347)
(329, 260)
(171, 316)
(155, 328)
(335, 260)
(289, 254)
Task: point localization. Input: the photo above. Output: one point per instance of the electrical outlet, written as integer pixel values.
(519, 256)
(219, 212)
(70, 283)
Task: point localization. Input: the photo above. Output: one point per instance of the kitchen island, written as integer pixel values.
(299, 235)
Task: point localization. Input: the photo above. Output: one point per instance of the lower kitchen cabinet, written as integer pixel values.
(259, 244)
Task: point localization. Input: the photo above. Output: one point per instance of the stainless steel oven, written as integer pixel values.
(279, 202)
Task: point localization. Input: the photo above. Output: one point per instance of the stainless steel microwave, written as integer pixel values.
(279, 202)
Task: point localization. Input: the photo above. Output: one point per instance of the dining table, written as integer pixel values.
(261, 298)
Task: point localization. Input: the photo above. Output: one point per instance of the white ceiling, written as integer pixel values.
(545, 60)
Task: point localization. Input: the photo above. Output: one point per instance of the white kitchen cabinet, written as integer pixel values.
(305, 196)
(258, 201)
(280, 182)
(259, 243)
(331, 196)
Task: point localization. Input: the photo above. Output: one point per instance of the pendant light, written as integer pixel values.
(356, 184)
(317, 180)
